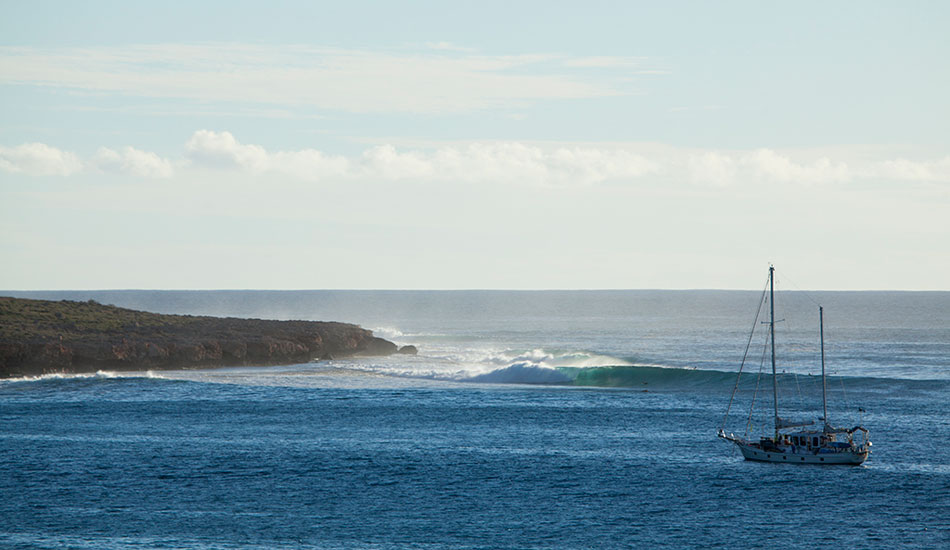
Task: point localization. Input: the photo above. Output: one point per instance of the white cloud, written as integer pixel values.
(132, 161)
(769, 165)
(514, 162)
(361, 81)
(764, 165)
(501, 162)
(591, 165)
(39, 159)
(385, 162)
(902, 169)
(309, 164)
(223, 150)
(712, 168)
(478, 162)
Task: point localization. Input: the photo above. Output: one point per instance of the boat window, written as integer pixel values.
(814, 441)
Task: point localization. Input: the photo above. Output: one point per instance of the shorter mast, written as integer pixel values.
(824, 397)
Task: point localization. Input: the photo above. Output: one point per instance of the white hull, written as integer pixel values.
(844, 457)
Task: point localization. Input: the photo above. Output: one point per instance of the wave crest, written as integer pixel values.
(523, 373)
(65, 376)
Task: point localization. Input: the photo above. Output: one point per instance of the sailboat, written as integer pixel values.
(793, 441)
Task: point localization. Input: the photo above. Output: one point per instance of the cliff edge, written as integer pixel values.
(39, 336)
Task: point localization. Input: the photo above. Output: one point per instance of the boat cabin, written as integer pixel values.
(823, 441)
(807, 439)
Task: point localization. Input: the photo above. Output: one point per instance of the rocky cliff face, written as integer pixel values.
(39, 336)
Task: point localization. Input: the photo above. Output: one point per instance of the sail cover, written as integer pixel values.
(786, 423)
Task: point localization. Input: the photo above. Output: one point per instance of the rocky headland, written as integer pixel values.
(39, 337)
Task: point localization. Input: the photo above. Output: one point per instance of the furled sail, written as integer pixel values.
(786, 423)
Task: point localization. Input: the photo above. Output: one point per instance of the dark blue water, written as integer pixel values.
(411, 453)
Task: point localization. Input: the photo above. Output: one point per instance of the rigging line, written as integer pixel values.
(789, 330)
(801, 401)
(806, 293)
(815, 388)
(765, 348)
(745, 354)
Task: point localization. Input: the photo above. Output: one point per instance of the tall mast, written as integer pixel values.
(772, 329)
(821, 330)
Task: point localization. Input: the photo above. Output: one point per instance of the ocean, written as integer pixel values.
(547, 419)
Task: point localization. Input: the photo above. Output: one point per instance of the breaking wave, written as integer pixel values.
(82, 376)
(648, 376)
(523, 373)
(102, 374)
(538, 367)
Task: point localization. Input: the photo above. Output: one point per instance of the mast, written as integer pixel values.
(772, 330)
(821, 330)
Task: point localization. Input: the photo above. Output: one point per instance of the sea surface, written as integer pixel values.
(548, 420)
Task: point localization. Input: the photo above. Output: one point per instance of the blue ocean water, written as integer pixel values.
(528, 420)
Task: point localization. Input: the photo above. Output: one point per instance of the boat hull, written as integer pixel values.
(751, 452)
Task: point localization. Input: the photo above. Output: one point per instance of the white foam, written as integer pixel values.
(388, 333)
(445, 363)
(401, 337)
(68, 376)
(492, 365)
(588, 360)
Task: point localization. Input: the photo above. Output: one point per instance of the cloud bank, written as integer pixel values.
(498, 162)
(483, 162)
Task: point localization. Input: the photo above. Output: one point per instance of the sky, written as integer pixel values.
(474, 145)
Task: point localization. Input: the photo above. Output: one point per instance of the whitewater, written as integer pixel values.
(551, 419)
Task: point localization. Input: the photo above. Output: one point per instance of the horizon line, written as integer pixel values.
(654, 289)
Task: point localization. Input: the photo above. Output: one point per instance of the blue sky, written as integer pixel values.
(473, 145)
